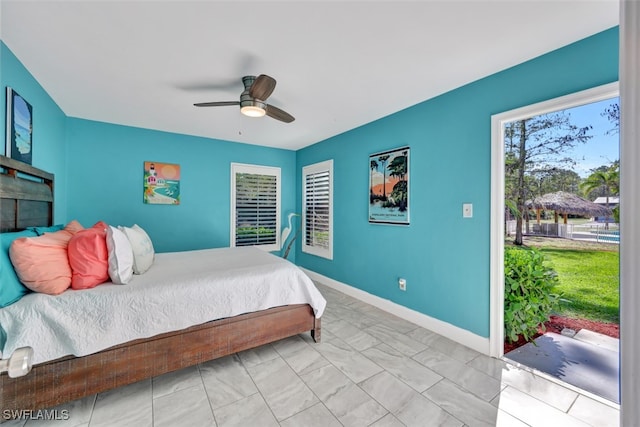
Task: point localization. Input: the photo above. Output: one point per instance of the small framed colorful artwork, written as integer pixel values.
(161, 183)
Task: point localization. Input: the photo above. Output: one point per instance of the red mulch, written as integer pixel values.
(558, 323)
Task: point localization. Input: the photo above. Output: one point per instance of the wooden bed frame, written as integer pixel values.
(26, 199)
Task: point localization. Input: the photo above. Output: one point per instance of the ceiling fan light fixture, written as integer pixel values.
(253, 111)
(252, 99)
(252, 107)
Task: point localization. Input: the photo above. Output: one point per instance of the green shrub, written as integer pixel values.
(616, 214)
(528, 300)
(255, 231)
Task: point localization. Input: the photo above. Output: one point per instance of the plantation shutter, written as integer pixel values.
(317, 209)
(257, 207)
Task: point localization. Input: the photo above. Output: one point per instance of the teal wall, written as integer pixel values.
(105, 181)
(48, 139)
(98, 169)
(444, 257)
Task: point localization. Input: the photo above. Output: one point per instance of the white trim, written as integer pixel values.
(629, 208)
(496, 271)
(462, 336)
(496, 328)
(325, 166)
(256, 170)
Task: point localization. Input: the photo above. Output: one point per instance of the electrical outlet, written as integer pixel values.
(467, 210)
(402, 284)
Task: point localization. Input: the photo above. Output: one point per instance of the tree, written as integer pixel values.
(608, 180)
(612, 112)
(592, 193)
(549, 179)
(554, 179)
(383, 159)
(536, 144)
(373, 166)
(399, 193)
(510, 173)
(398, 166)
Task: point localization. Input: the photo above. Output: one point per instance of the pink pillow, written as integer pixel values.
(88, 257)
(73, 227)
(41, 262)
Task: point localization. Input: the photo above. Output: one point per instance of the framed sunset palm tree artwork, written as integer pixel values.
(389, 187)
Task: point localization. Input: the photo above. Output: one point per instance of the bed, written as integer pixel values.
(26, 200)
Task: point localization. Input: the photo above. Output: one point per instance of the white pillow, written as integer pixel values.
(120, 256)
(143, 253)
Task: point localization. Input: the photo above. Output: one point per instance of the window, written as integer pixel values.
(317, 216)
(255, 206)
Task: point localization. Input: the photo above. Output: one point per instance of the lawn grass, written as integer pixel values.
(589, 276)
(589, 283)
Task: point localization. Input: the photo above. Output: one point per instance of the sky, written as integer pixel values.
(601, 149)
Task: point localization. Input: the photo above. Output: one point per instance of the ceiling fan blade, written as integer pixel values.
(208, 85)
(262, 87)
(217, 104)
(278, 114)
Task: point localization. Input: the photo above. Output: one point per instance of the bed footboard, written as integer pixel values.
(70, 378)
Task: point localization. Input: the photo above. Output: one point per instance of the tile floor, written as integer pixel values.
(371, 369)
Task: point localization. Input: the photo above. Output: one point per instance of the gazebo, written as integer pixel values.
(563, 203)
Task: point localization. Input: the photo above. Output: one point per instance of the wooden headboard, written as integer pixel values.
(26, 196)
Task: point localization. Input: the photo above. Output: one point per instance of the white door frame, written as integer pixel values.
(498, 121)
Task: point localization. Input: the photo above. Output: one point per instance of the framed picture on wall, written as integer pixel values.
(19, 127)
(161, 183)
(389, 187)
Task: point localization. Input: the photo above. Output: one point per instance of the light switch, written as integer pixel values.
(467, 210)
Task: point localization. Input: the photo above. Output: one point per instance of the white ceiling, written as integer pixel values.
(338, 64)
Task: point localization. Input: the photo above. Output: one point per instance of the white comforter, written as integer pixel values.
(181, 289)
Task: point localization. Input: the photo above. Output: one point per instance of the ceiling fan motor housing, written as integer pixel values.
(248, 82)
(247, 100)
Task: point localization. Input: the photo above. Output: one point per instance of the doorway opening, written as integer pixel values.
(541, 159)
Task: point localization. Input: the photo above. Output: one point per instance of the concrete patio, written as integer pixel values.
(587, 360)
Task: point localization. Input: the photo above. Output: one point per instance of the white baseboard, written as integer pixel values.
(462, 336)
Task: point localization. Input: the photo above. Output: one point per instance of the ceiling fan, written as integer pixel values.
(252, 100)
